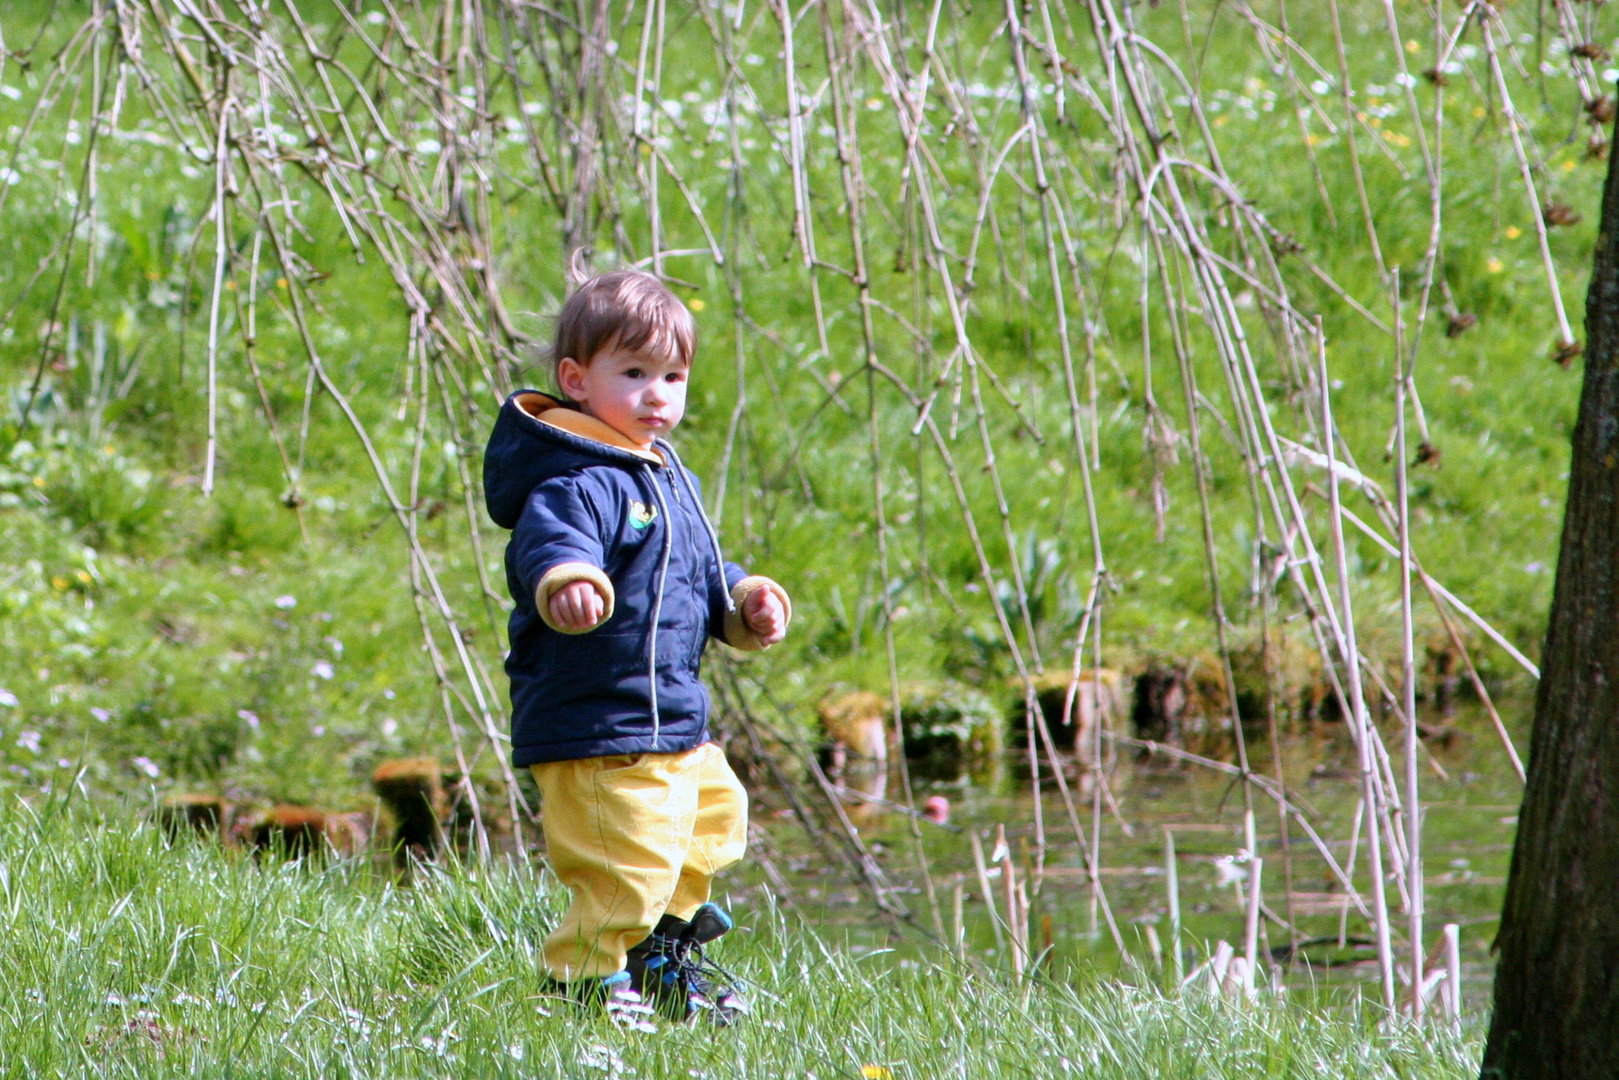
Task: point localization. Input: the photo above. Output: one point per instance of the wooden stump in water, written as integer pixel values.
(204, 815)
(1160, 703)
(951, 732)
(412, 790)
(1183, 704)
(297, 832)
(855, 727)
(1097, 703)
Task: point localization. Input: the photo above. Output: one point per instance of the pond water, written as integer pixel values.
(1469, 797)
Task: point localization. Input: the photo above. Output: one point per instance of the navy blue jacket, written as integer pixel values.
(577, 494)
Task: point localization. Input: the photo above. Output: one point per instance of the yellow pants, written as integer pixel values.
(634, 836)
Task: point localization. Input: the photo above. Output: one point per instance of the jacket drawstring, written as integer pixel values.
(657, 599)
(713, 536)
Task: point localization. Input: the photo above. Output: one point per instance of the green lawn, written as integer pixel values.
(126, 956)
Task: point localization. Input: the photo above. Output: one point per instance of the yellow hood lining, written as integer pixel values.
(548, 410)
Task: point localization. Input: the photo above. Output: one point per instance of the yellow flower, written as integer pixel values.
(1399, 138)
(1495, 266)
(875, 1072)
(695, 304)
(58, 582)
(1412, 47)
(1478, 112)
(1312, 139)
(1568, 166)
(83, 576)
(1513, 232)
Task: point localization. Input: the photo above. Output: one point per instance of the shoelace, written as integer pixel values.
(704, 977)
(682, 961)
(666, 957)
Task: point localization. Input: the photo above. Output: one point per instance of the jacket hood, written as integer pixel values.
(537, 437)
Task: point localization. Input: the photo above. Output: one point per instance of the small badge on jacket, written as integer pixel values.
(642, 515)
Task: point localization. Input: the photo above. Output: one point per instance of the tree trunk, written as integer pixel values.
(1557, 982)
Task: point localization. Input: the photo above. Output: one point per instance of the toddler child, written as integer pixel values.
(618, 581)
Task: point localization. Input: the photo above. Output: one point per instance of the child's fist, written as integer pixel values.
(577, 606)
(765, 615)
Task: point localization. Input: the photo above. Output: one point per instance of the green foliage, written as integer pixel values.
(247, 521)
(108, 500)
(144, 602)
(129, 957)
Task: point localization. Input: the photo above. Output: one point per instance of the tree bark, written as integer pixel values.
(1557, 981)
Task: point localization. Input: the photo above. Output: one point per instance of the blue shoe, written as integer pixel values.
(670, 970)
(614, 994)
(654, 967)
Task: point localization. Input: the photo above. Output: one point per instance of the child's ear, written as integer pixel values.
(571, 378)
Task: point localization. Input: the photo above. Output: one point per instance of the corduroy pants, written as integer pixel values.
(633, 837)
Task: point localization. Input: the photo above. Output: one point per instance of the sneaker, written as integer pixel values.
(654, 967)
(710, 988)
(613, 994)
(669, 968)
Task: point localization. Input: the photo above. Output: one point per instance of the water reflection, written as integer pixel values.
(1309, 928)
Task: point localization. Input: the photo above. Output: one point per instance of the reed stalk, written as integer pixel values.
(1250, 935)
(1408, 669)
(1360, 719)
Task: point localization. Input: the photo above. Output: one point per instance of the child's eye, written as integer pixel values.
(675, 376)
(634, 373)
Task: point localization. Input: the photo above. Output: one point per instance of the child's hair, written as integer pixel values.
(627, 309)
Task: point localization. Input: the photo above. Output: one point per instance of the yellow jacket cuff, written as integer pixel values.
(737, 633)
(560, 577)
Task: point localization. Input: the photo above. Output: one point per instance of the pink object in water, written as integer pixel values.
(937, 809)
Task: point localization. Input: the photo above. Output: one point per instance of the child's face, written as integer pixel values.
(640, 395)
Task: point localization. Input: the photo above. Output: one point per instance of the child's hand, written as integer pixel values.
(577, 606)
(765, 615)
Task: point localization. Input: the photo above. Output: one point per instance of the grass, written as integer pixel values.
(128, 956)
